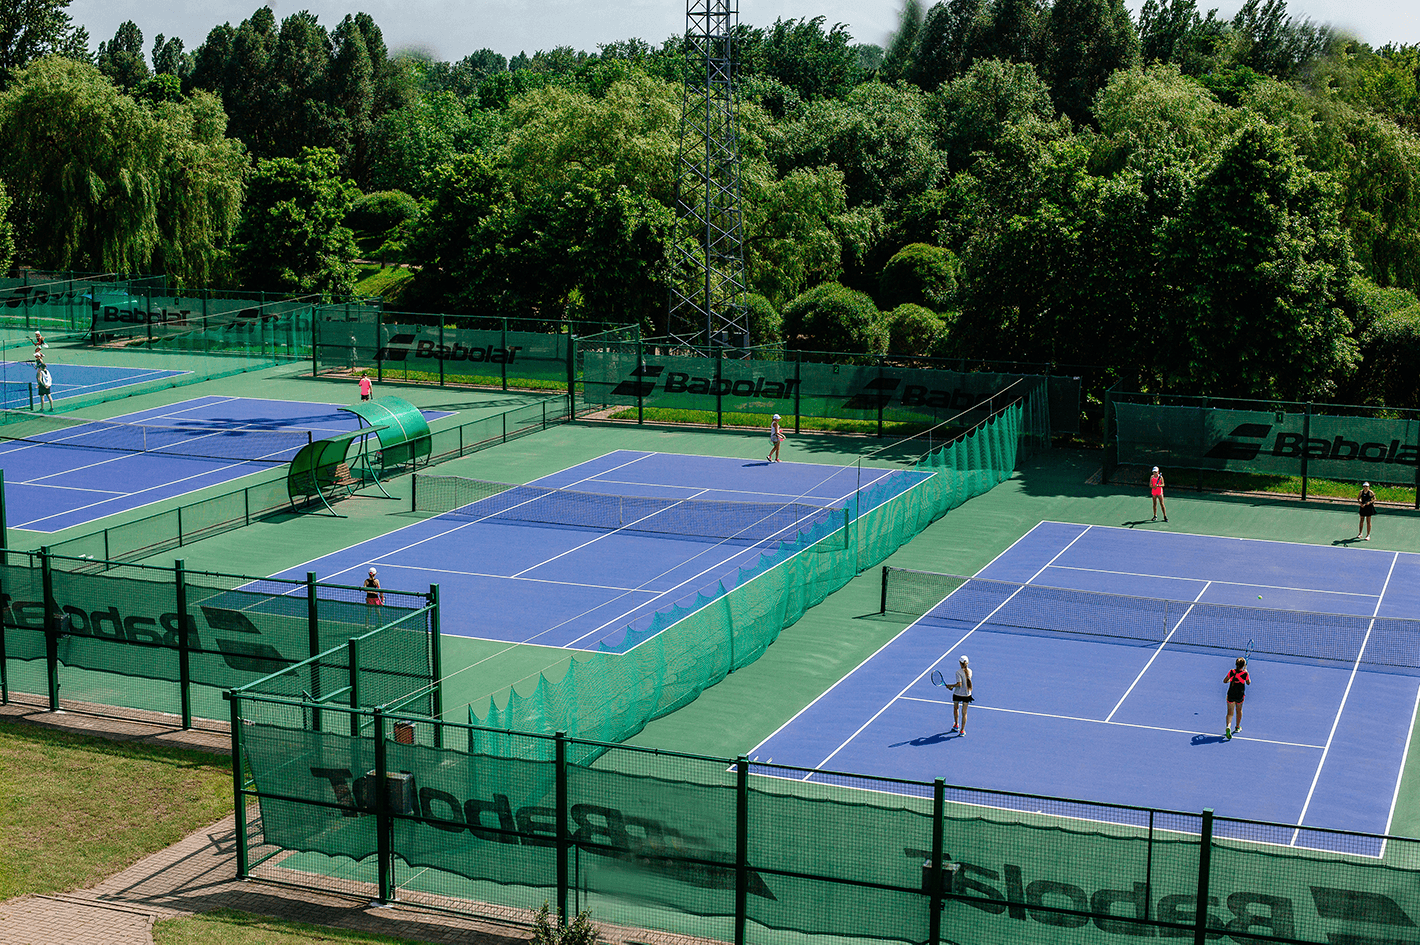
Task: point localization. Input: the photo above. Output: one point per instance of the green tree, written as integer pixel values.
(292, 235)
(921, 275)
(1388, 324)
(898, 53)
(970, 114)
(140, 189)
(32, 29)
(915, 331)
(831, 317)
(952, 37)
(121, 58)
(169, 58)
(1174, 32)
(1261, 265)
(803, 56)
(1085, 41)
(7, 232)
(410, 142)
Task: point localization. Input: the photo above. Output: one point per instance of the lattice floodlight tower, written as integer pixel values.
(708, 271)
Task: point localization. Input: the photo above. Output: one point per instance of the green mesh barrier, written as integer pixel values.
(653, 842)
(1349, 444)
(629, 374)
(611, 696)
(62, 304)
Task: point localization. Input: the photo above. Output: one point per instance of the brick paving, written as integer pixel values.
(196, 874)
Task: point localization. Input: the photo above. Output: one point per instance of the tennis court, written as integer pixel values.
(1098, 656)
(581, 557)
(18, 389)
(69, 471)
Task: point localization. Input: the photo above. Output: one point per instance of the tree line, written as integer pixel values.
(1229, 207)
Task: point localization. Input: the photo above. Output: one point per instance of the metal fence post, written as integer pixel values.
(1205, 854)
(384, 829)
(1306, 435)
(719, 388)
(562, 833)
(313, 645)
(352, 652)
(798, 383)
(640, 386)
(934, 921)
(184, 653)
(882, 398)
(741, 847)
(443, 381)
(239, 802)
(505, 352)
(51, 627)
(436, 664)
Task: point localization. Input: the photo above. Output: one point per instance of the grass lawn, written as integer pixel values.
(229, 927)
(74, 809)
(386, 282)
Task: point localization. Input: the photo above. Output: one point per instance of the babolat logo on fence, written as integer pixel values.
(1247, 440)
(230, 632)
(407, 346)
(31, 295)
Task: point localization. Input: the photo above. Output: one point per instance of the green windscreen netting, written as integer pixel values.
(1285, 439)
(119, 641)
(628, 374)
(609, 696)
(651, 840)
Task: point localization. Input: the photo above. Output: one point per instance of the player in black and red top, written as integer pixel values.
(1238, 681)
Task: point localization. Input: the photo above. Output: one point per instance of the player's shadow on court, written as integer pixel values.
(1208, 740)
(925, 740)
(760, 462)
(1142, 521)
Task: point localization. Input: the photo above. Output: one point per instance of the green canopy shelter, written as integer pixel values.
(322, 467)
(402, 430)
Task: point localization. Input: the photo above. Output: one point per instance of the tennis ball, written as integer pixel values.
(1259, 597)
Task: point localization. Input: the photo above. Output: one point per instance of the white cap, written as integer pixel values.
(962, 659)
(1155, 469)
(372, 572)
(1365, 485)
(776, 416)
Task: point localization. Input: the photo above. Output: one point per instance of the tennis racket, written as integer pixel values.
(938, 679)
(1249, 649)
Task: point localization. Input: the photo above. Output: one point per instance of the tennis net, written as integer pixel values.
(750, 522)
(1387, 643)
(198, 441)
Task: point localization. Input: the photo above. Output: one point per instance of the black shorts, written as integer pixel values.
(1367, 511)
(957, 698)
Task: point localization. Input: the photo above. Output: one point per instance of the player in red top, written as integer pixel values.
(1156, 491)
(1238, 681)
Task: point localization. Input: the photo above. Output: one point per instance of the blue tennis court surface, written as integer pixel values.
(581, 582)
(84, 472)
(70, 380)
(1082, 710)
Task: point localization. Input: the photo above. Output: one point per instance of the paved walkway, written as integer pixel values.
(195, 874)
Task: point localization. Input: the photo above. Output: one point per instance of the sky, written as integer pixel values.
(451, 29)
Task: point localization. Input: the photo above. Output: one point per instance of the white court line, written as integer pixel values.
(952, 647)
(874, 654)
(1171, 577)
(1075, 718)
(35, 483)
(1395, 795)
(1344, 696)
(1167, 638)
(449, 531)
(615, 531)
(504, 577)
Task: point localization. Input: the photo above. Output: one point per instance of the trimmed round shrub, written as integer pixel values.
(831, 317)
(915, 331)
(920, 274)
(382, 211)
(766, 325)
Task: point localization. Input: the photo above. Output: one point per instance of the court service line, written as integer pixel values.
(1336, 722)
(617, 530)
(505, 577)
(959, 642)
(1171, 577)
(1074, 718)
(872, 656)
(448, 531)
(1172, 631)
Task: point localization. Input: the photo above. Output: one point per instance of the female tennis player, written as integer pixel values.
(373, 596)
(776, 436)
(1368, 511)
(1238, 681)
(1156, 491)
(961, 696)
